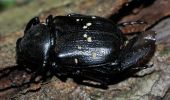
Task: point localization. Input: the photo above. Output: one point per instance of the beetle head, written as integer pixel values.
(34, 47)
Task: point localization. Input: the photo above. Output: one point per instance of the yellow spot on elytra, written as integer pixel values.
(88, 24)
(84, 27)
(93, 17)
(77, 20)
(94, 54)
(89, 39)
(85, 35)
(79, 47)
(76, 60)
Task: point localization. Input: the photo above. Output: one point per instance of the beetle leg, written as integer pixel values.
(124, 24)
(34, 76)
(138, 51)
(59, 72)
(32, 22)
(49, 20)
(143, 67)
(91, 75)
(40, 74)
(132, 27)
(50, 24)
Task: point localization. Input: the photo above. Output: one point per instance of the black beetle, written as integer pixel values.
(83, 46)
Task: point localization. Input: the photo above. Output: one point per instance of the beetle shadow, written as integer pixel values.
(98, 84)
(13, 71)
(13, 77)
(6, 71)
(112, 81)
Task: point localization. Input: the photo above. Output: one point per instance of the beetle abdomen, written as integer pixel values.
(86, 48)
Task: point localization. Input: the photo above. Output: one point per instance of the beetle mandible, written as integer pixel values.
(82, 46)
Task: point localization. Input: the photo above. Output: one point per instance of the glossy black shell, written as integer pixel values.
(83, 47)
(86, 40)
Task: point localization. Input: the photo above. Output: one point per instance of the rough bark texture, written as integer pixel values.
(154, 83)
